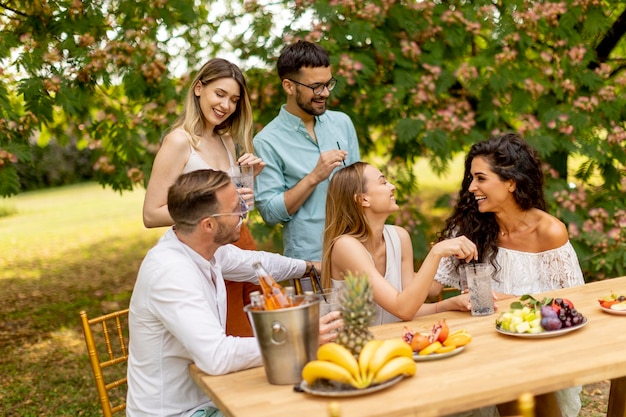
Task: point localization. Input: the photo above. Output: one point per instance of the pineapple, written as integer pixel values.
(357, 310)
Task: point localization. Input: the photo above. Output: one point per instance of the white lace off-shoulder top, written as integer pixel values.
(524, 272)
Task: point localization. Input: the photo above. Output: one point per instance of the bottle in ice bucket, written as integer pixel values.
(275, 297)
(257, 301)
(290, 293)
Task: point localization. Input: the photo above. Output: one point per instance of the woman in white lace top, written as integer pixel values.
(501, 208)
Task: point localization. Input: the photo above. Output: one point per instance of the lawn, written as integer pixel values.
(65, 250)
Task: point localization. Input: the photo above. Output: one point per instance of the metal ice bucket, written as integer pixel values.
(288, 338)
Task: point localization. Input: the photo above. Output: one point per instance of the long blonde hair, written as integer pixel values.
(344, 212)
(239, 124)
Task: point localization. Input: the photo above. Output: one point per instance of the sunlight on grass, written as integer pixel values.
(447, 183)
(53, 222)
(63, 250)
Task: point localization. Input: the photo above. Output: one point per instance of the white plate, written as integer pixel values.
(611, 311)
(435, 356)
(542, 335)
(345, 390)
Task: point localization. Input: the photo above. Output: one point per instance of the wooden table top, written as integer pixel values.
(493, 368)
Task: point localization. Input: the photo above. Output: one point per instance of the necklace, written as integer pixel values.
(508, 232)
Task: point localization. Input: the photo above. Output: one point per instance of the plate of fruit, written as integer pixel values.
(440, 343)
(532, 318)
(613, 304)
(338, 372)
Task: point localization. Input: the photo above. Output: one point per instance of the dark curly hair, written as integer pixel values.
(511, 158)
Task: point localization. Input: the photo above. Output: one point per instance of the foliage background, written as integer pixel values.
(420, 79)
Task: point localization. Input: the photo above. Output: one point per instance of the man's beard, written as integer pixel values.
(226, 234)
(307, 107)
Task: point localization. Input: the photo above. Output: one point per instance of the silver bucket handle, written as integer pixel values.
(279, 333)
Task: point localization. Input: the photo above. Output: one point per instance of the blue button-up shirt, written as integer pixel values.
(291, 153)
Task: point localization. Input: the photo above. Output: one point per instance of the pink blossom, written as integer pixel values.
(576, 54)
(568, 86)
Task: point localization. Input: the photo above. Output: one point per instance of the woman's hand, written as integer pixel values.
(461, 302)
(495, 298)
(461, 247)
(250, 159)
(247, 194)
(329, 325)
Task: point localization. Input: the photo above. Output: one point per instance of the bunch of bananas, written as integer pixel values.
(379, 361)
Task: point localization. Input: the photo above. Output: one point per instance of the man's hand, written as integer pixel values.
(328, 161)
(298, 194)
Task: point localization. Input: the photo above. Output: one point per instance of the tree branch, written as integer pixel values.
(17, 12)
(610, 40)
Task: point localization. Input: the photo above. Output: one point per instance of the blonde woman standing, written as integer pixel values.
(215, 123)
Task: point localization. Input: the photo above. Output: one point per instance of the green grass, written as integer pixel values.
(73, 248)
(63, 250)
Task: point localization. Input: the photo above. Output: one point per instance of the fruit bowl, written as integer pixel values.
(549, 317)
(613, 304)
(440, 343)
(326, 388)
(436, 356)
(546, 333)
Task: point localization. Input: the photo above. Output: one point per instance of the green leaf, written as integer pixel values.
(9, 181)
(408, 129)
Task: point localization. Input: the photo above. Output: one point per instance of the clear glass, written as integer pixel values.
(329, 301)
(479, 285)
(243, 177)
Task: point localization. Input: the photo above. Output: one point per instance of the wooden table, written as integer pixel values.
(494, 368)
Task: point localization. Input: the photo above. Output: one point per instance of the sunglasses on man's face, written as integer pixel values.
(243, 213)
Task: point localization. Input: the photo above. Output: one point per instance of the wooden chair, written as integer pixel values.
(447, 292)
(106, 338)
(525, 406)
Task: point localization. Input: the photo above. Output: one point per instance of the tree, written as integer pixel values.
(419, 78)
(429, 78)
(97, 73)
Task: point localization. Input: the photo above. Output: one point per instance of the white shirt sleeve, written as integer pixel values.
(236, 264)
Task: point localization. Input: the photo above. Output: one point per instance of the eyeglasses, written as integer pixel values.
(243, 213)
(318, 88)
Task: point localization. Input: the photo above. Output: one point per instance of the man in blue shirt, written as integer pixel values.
(302, 147)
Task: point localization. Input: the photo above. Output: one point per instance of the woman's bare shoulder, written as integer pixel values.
(177, 138)
(346, 242)
(551, 230)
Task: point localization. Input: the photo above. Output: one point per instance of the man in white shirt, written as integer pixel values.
(178, 307)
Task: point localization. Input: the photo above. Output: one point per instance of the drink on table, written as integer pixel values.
(274, 293)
